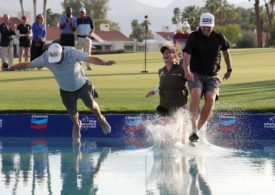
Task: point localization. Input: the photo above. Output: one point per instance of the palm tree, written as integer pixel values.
(270, 10)
(259, 23)
(22, 8)
(34, 10)
(44, 9)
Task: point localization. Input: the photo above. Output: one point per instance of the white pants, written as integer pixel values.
(85, 44)
(7, 52)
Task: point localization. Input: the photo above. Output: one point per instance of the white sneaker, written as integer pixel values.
(106, 128)
(77, 129)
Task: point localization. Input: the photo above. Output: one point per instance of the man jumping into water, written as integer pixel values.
(64, 62)
(201, 65)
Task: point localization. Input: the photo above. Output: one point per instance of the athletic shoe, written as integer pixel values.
(193, 137)
(106, 128)
(77, 129)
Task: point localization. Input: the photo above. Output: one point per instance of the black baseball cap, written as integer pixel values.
(164, 48)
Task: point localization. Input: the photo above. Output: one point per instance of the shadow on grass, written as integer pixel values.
(248, 88)
(51, 77)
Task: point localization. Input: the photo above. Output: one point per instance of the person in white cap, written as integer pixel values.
(85, 28)
(64, 63)
(201, 65)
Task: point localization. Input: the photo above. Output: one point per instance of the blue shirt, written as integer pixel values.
(67, 29)
(69, 74)
(38, 30)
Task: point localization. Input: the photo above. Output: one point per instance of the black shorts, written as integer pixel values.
(69, 98)
(24, 42)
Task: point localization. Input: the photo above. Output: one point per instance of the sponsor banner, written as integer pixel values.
(60, 125)
(221, 125)
(242, 126)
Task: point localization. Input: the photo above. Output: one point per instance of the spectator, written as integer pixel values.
(39, 37)
(7, 31)
(24, 33)
(85, 28)
(67, 25)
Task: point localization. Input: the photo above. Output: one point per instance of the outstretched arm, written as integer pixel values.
(152, 92)
(22, 65)
(99, 61)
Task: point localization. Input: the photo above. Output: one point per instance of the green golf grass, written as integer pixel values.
(122, 87)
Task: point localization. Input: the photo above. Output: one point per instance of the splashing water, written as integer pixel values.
(169, 131)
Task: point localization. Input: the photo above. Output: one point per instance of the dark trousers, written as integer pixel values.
(37, 48)
(67, 40)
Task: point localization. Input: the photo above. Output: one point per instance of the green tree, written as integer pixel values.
(140, 29)
(231, 32)
(99, 9)
(269, 12)
(247, 40)
(258, 22)
(271, 41)
(191, 13)
(245, 18)
(52, 18)
(222, 11)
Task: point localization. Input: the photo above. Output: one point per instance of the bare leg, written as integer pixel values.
(26, 54)
(96, 110)
(194, 107)
(76, 132)
(20, 54)
(207, 108)
(106, 128)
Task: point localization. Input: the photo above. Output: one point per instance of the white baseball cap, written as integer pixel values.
(54, 53)
(207, 19)
(82, 9)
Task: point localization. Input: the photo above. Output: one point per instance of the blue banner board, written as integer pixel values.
(60, 125)
(241, 126)
(220, 126)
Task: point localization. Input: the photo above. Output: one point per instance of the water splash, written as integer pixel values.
(169, 131)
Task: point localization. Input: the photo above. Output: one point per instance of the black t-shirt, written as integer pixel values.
(24, 29)
(205, 52)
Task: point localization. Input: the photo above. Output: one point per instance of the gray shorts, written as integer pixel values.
(69, 98)
(205, 83)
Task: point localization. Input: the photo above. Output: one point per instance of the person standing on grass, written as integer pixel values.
(64, 62)
(7, 31)
(24, 33)
(201, 64)
(85, 28)
(172, 85)
(39, 37)
(67, 25)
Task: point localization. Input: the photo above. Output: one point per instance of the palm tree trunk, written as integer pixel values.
(258, 23)
(44, 11)
(34, 10)
(269, 9)
(22, 8)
